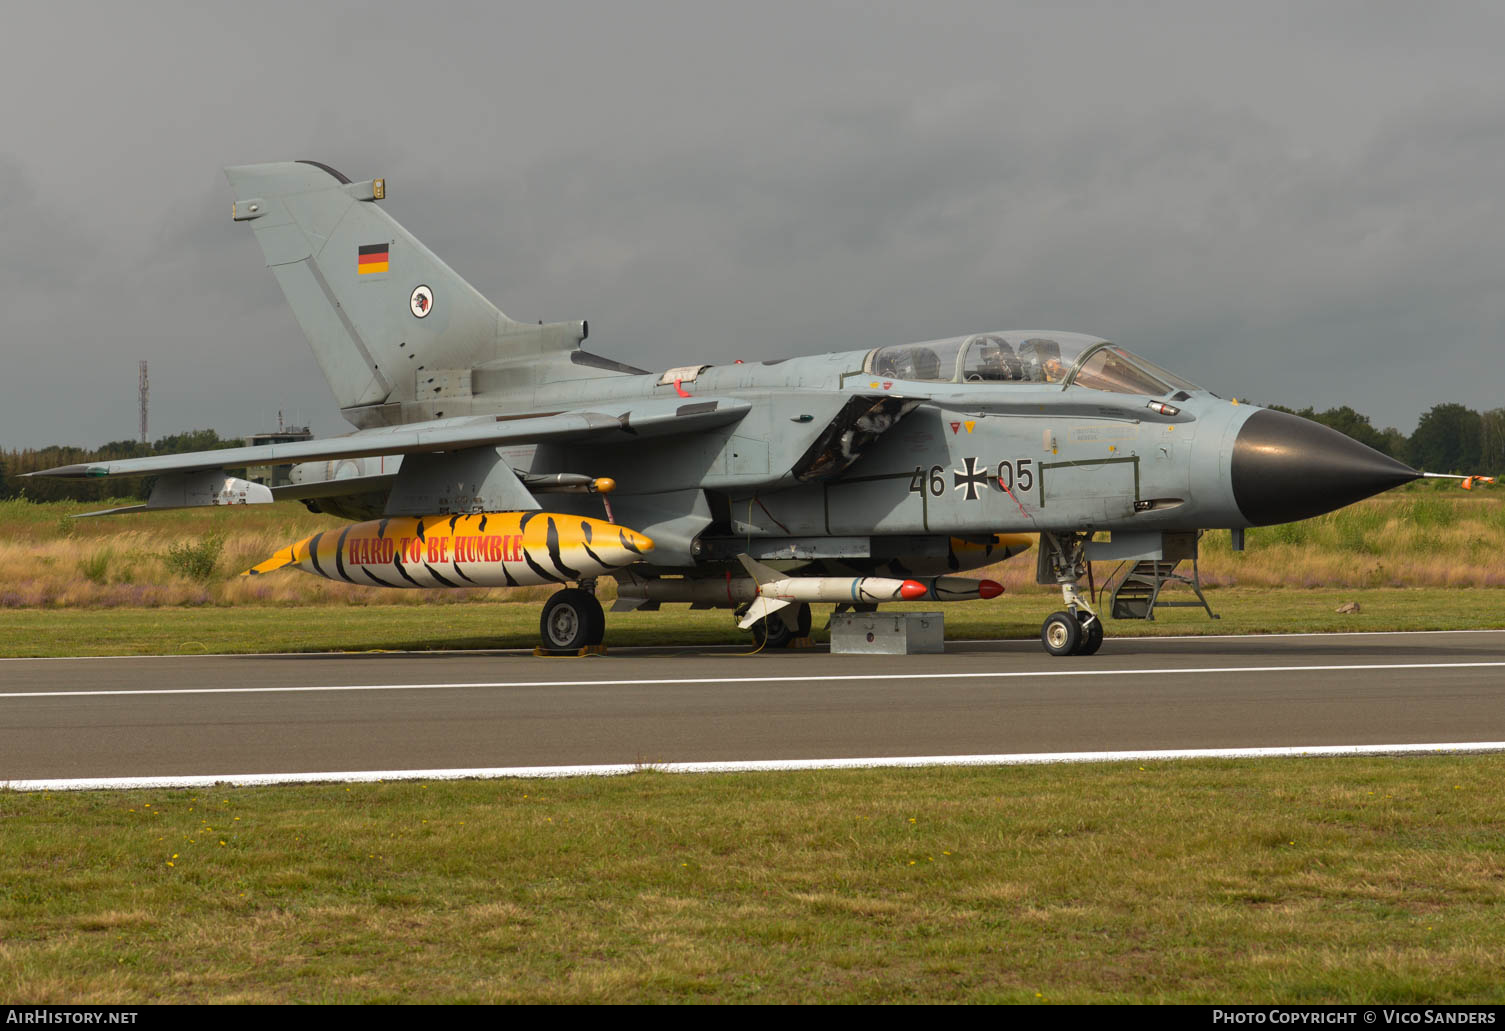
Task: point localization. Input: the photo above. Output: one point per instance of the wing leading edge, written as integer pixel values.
(641, 420)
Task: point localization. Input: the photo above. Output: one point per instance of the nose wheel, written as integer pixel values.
(1072, 633)
(1076, 630)
(1061, 633)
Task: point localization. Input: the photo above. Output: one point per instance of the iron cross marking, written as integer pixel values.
(972, 479)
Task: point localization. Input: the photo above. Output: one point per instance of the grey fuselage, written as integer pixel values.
(1074, 459)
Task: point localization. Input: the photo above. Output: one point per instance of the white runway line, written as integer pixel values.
(741, 766)
(786, 678)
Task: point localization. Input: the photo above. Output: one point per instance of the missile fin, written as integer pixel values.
(760, 573)
(288, 556)
(761, 608)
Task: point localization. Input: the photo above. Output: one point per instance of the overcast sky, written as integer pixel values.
(1297, 203)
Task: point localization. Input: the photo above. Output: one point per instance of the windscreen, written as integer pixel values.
(1113, 369)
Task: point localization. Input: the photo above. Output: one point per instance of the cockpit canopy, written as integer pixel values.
(1063, 359)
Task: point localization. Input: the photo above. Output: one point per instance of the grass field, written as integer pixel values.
(1353, 880)
(166, 582)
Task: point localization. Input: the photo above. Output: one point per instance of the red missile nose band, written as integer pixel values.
(912, 590)
(989, 588)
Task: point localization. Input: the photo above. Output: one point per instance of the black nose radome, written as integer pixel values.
(1287, 468)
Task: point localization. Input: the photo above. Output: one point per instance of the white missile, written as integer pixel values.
(731, 592)
(728, 593)
(775, 590)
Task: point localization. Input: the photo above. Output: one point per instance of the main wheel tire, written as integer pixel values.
(1060, 633)
(772, 632)
(598, 621)
(1092, 633)
(571, 620)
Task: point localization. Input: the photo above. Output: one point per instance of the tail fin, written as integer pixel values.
(375, 304)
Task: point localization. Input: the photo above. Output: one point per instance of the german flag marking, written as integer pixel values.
(372, 258)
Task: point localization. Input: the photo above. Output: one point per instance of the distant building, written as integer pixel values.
(275, 475)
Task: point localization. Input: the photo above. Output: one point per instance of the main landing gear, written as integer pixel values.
(572, 620)
(1078, 630)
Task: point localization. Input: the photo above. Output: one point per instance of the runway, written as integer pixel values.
(231, 716)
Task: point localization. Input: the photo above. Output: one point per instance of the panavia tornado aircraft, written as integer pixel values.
(490, 452)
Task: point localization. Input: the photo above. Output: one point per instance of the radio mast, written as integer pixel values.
(143, 402)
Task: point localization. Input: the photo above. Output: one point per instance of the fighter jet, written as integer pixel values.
(493, 452)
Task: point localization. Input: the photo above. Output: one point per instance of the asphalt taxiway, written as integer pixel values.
(334, 713)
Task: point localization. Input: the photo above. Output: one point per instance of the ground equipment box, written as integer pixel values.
(888, 633)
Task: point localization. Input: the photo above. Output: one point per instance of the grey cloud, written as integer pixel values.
(47, 247)
(1295, 202)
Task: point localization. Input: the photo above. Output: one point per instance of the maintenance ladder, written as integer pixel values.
(1137, 595)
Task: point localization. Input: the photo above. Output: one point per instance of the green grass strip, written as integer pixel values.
(1357, 880)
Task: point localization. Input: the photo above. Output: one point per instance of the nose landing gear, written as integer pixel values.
(1078, 630)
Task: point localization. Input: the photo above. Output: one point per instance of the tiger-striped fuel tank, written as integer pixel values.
(489, 549)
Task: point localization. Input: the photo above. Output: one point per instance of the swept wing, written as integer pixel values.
(646, 419)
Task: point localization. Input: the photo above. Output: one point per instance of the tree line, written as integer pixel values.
(1449, 438)
(14, 463)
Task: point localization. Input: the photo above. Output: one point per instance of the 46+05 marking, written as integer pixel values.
(1012, 475)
